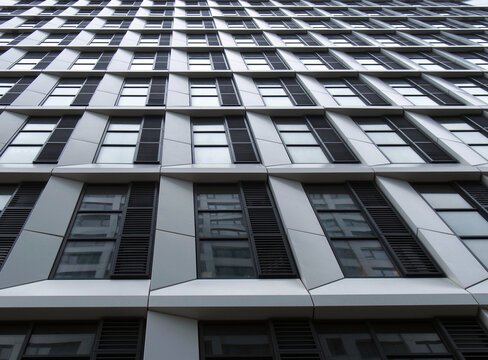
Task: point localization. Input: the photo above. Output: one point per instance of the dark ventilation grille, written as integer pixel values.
(275, 61)
(295, 340)
(331, 61)
(104, 60)
(365, 92)
(116, 39)
(162, 58)
(54, 146)
(135, 248)
(242, 144)
(46, 60)
(86, 92)
(477, 192)
(309, 40)
(260, 39)
(213, 40)
(218, 60)
(67, 39)
(386, 61)
(300, 97)
(412, 258)
(19, 38)
(157, 92)
(13, 218)
(164, 39)
(433, 92)
(267, 237)
(120, 340)
(150, 140)
(16, 90)
(228, 94)
(468, 337)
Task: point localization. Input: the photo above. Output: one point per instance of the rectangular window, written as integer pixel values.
(230, 246)
(432, 61)
(376, 61)
(64, 93)
(29, 61)
(149, 40)
(75, 24)
(346, 40)
(264, 61)
(476, 87)
(320, 61)
(111, 234)
(251, 40)
(352, 92)
(213, 92)
(210, 142)
(438, 40)
(393, 40)
(241, 24)
(199, 61)
(143, 61)
(478, 59)
(86, 61)
(101, 40)
(196, 40)
(53, 40)
(282, 92)
(134, 92)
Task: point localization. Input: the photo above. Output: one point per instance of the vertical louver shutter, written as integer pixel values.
(468, 338)
(481, 81)
(290, 24)
(67, 39)
(41, 23)
(240, 137)
(213, 40)
(449, 64)
(125, 24)
(250, 24)
(83, 24)
(104, 60)
(309, 40)
(353, 39)
(228, 95)
(275, 61)
(420, 142)
(295, 339)
(297, 92)
(15, 214)
(480, 121)
(260, 39)
(86, 92)
(272, 254)
(116, 39)
(386, 61)
(134, 253)
(162, 58)
(164, 39)
(241, 12)
(46, 60)
(157, 92)
(16, 90)
(55, 144)
(150, 140)
(477, 193)
(331, 61)
(218, 60)
(119, 339)
(335, 147)
(19, 38)
(167, 23)
(208, 24)
(205, 12)
(433, 92)
(411, 257)
(132, 12)
(365, 92)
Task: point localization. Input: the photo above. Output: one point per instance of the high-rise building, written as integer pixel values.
(240, 179)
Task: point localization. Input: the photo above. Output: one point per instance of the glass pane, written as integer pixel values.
(446, 201)
(363, 258)
(457, 126)
(236, 340)
(219, 199)
(482, 150)
(209, 139)
(479, 247)
(292, 127)
(349, 101)
(104, 198)
(208, 127)
(307, 155)
(61, 340)
(124, 126)
(86, 260)
(465, 223)
(375, 127)
(472, 137)
(33, 125)
(386, 138)
(11, 340)
(298, 138)
(277, 101)
(122, 138)
(335, 198)
(205, 101)
(19, 154)
(226, 259)
(211, 155)
(401, 154)
(31, 138)
(96, 226)
(221, 225)
(132, 101)
(116, 155)
(58, 101)
(421, 100)
(339, 224)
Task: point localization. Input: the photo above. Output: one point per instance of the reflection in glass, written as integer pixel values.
(345, 224)
(11, 340)
(104, 198)
(218, 201)
(479, 247)
(335, 198)
(221, 225)
(465, 223)
(92, 225)
(226, 259)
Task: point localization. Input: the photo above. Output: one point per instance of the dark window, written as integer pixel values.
(213, 92)
(11, 88)
(283, 92)
(72, 92)
(320, 61)
(352, 92)
(432, 61)
(268, 60)
(346, 40)
(111, 234)
(35, 60)
(376, 61)
(239, 233)
(214, 60)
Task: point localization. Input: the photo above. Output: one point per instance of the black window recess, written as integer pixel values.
(46, 60)
(119, 339)
(295, 339)
(481, 81)
(157, 92)
(241, 140)
(116, 39)
(86, 92)
(308, 39)
(296, 91)
(332, 143)
(365, 92)
(331, 61)
(213, 40)
(104, 60)
(274, 60)
(68, 39)
(227, 91)
(54, 146)
(15, 214)
(260, 39)
(467, 336)
(218, 60)
(271, 249)
(148, 150)
(16, 90)
(134, 254)
(241, 12)
(434, 93)
(428, 149)
(162, 58)
(409, 253)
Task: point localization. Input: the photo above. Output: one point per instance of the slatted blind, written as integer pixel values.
(336, 148)
(213, 40)
(272, 253)
(275, 60)
(119, 339)
(104, 60)
(295, 339)
(433, 92)
(116, 39)
(308, 39)
(441, 60)
(468, 337)
(241, 140)
(16, 90)
(149, 143)
(15, 214)
(260, 39)
(227, 92)
(157, 92)
(479, 121)
(476, 192)
(208, 24)
(68, 39)
(18, 38)
(54, 146)
(162, 59)
(386, 60)
(87, 91)
(297, 92)
(365, 92)
(412, 258)
(133, 259)
(46, 60)
(167, 23)
(164, 39)
(250, 24)
(218, 60)
(331, 61)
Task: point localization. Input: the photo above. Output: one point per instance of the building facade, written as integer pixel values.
(231, 179)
